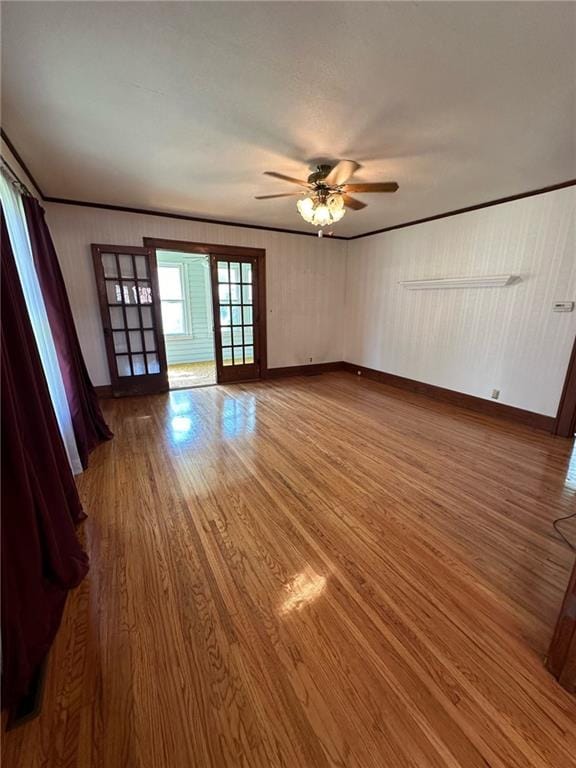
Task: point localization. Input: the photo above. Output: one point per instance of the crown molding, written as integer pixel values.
(263, 228)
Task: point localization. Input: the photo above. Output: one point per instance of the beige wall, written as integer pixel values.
(304, 279)
(477, 339)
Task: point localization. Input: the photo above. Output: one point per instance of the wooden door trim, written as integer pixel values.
(561, 658)
(566, 417)
(229, 251)
(188, 246)
(146, 383)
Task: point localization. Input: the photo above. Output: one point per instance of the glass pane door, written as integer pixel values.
(234, 282)
(129, 303)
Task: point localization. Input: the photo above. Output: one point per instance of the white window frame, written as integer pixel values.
(187, 332)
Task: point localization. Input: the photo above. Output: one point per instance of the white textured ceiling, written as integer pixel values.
(180, 107)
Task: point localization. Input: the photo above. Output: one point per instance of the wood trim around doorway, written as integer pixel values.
(187, 246)
(565, 425)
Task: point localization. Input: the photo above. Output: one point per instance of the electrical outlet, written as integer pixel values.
(495, 394)
(309, 359)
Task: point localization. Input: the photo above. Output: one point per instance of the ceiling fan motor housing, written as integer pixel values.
(319, 174)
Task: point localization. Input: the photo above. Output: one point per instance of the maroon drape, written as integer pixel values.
(90, 428)
(41, 556)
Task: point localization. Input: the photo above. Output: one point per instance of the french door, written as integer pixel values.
(127, 283)
(237, 283)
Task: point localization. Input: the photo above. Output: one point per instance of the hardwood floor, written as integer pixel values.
(312, 572)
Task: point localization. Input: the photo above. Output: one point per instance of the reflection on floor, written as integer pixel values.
(184, 375)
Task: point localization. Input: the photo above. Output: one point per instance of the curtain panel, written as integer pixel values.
(41, 556)
(90, 428)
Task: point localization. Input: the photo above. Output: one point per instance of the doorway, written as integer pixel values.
(233, 285)
(187, 318)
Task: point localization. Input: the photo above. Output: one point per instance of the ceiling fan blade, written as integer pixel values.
(351, 202)
(385, 186)
(269, 197)
(341, 173)
(286, 178)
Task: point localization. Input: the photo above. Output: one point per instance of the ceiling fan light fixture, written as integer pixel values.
(321, 211)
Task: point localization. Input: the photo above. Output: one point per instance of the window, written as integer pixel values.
(172, 299)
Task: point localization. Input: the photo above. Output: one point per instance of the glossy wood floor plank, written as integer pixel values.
(309, 573)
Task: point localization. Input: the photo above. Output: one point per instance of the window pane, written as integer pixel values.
(236, 315)
(235, 294)
(237, 333)
(234, 272)
(224, 315)
(246, 273)
(173, 317)
(222, 271)
(247, 294)
(248, 334)
(247, 315)
(227, 356)
(226, 337)
(238, 356)
(249, 354)
(170, 282)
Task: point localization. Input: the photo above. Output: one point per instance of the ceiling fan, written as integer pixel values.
(327, 192)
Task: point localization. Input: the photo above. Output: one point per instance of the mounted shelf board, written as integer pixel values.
(482, 281)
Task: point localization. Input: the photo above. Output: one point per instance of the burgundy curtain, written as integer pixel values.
(89, 426)
(41, 556)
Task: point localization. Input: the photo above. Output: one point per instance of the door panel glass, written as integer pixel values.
(238, 356)
(222, 271)
(141, 266)
(249, 354)
(139, 365)
(247, 294)
(234, 272)
(132, 317)
(248, 334)
(153, 363)
(247, 312)
(246, 272)
(235, 294)
(224, 315)
(109, 265)
(237, 335)
(149, 341)
(224, 293)
(129, 292)
(116, 317)
(126, 265)
(145, 293)
(135, 341)
(236, 315)
(147, 318)
(120, 342)
(226, 337)
(123, 365)
(113, 292)
(227, 356)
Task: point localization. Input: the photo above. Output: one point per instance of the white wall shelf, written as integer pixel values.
(481, 281)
